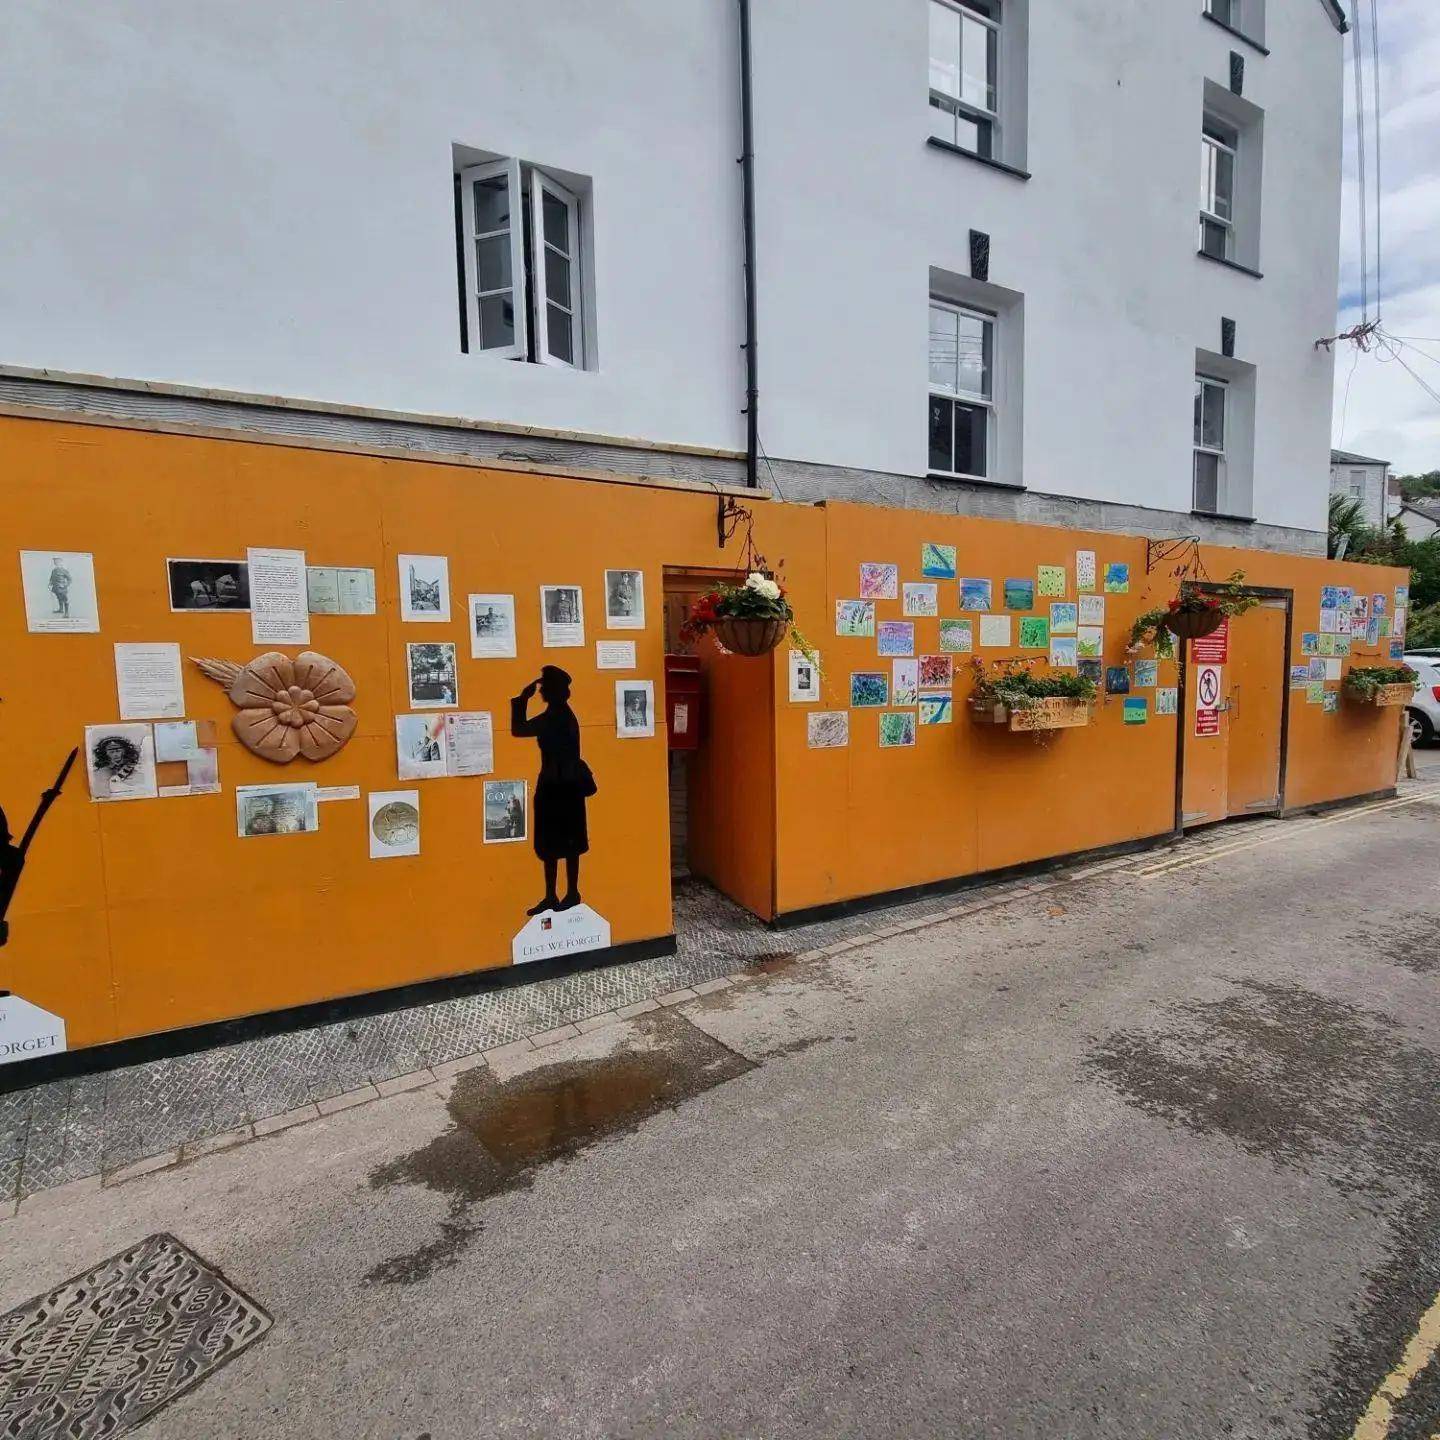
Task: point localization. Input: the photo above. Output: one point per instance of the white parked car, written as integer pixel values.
(1423, 711)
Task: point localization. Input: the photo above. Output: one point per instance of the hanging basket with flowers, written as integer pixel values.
(750, 619)
(1194, 613)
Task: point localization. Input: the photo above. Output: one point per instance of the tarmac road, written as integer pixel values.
(1155, 1153)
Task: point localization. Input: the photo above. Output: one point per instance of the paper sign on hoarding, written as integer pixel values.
(1207, 699)
(1212, 649)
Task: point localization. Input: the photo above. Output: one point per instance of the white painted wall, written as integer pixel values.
(258, 198)
(1374, 482)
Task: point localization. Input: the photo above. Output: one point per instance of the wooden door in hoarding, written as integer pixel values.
(1234, 718)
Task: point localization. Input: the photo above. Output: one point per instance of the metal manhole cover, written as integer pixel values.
(103, 1352)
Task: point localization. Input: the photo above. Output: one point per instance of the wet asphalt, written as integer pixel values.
(1141, 1155)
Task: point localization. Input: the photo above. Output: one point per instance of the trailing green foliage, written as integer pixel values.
(1013, 684)
(1365, 680)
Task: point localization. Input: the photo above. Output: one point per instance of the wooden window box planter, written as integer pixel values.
(1053, 714)
(1386, 697)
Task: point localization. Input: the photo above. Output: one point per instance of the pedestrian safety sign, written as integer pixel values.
(1207, 700)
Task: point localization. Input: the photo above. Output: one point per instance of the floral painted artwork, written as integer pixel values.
(1019, 594)
(1064, 653)
(1091, 640)
(1092, 609)
(869, 688)
(855, 617)
(1034, 633)
(1064, 618)
(880, 582)
(905, 682)
(1117, 579)
(897, 728)
(957, 637)
(975, 594)
(896, 637)
(919, 599)
(937, 562)
(937, 672)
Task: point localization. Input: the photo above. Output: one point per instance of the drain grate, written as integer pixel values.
(103, 1352)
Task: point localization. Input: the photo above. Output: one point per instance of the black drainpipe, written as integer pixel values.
(747, 173)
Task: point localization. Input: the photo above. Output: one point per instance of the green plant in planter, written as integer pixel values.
(1015, 685)
(1227, 599)
(1364, 680)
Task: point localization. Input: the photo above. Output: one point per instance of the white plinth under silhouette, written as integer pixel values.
(560, 932)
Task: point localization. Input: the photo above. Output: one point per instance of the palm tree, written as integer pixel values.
(1348, 530)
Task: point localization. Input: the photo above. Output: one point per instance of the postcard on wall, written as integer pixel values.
(625, 599)
(492, 627)
(469, 743)
(855, 617)
(208, 584)
(340, 589)
(507, 811)
(1034, 632)
(1091, 641)
(904, 682)
(957, 637)
(879, 582)
(1084, 569)
(562, 616)
(59, 588)
(420, 748)
(937, 562)
(1117, 579)
(869, 688)
(614, 654)
(634, 709)
(1019, 594)
(1167, 700)
(827, 729)
(424, 587)
(995, 630)
(149, 682)
(431, 669)
(936, 709)
(896, 637)
(1051, 580)
(279, 603)
(275, 810)
(394, 823)
(975, 593)
(1147, 674)
(897, 728)
(1064, 652)
(919, 599)
(804, 677)
(1064, 618)
(937, 672)
(120, 761)
(183, 740)
(1091, 610)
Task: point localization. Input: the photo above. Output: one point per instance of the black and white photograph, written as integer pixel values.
(120, 760)
(59, 588)
(420, 746)
(209, 584)
(433, 683)
(634, 708)
(424, 587)
(804, 677)
(275, 810)
(492, 627)
(562, 616)
(625, 599)
(506, 811)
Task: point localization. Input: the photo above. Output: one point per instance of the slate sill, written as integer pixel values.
(1255, 45)
(985, 160)
(1224, 515)
(1230, 264)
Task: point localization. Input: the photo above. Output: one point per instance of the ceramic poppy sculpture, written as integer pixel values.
(288, 708)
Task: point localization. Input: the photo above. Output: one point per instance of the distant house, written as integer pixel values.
(1421, 518)
(1363, 478)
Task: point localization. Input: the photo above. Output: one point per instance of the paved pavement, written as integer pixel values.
(1148, 1151)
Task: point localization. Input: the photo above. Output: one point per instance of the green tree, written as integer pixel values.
(1419, 487)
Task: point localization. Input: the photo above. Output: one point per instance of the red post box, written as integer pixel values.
(683, 701)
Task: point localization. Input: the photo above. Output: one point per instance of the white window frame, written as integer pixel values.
(1358, 484)
(540, 186)
(511, 170)
(970, 397)
(1234, 6)
(966, 107)
(1199, 448)
(1210, 149)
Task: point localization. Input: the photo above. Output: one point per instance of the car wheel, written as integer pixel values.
(1422, 732)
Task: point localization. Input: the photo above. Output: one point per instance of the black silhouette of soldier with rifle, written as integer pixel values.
(12, 856)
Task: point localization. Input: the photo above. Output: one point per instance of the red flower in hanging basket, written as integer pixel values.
(748, 619)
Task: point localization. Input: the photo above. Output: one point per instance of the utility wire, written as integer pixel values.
(1379, 189)
(1419, 380)
(1356, 33)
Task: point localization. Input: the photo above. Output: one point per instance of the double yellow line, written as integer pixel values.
(1286, 832)
(1375, 1422)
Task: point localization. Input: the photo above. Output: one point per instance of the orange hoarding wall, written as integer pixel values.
(141, 916)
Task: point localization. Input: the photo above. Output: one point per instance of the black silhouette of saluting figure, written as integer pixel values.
(564, 784)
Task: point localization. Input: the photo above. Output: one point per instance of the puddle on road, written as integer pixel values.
(504, 1130)
(771, 964)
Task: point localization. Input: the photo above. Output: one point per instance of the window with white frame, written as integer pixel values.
(1218, 143)
(964, 74)
(1227, 12)
(520, 252)
(1210, 398)
(962, 406)
(1357, 484)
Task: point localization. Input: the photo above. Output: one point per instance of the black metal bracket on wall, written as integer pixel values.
(1157, 552)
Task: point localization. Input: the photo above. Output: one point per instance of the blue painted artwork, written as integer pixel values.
(1310, 643)
(1316, 669)
(1147, 673)
(974, 594)
(869, 687)
(1019, 594)
(1137, 712)
(1117, 680)
(1397, 649)
(1329, 597)
(1299, 676)
(937, 562)
(1089, 669)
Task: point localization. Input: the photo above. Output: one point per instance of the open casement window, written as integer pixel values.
(491, 208)
(964, 67)
(962, 411)
(1210, 396)
(555, 244)
(1217, 190)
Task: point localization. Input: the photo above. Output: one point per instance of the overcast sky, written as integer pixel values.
(1388, 415)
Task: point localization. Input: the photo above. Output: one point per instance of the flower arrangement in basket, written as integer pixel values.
(1383, 685)
(1010, 692)
(1193, 613)
(748, 619)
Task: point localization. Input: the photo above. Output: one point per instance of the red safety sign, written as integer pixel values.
(1207, 699)
(1212, 649)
